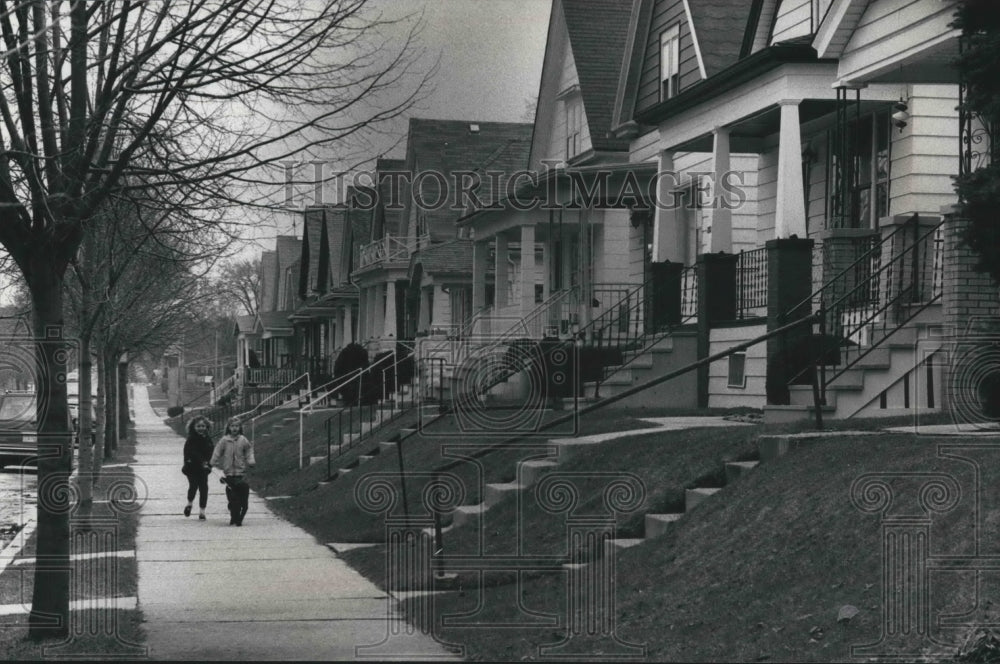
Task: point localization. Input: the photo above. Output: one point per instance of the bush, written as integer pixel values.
(351, 358)
(174, 411)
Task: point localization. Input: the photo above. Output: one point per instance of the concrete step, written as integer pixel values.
(343, 471)
(317, 459)
(464, 513)
(694, 497)
(771, 447)
(781, 414)
(386, 446)
(288, 420)
(406, 432)
(529, 472)
(737, 469)
(657, 524)
(621, 543)
(365, 458)
(494, 493)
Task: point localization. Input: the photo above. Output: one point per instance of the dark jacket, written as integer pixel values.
(198, 452)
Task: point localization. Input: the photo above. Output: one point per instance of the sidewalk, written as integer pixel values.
(268, 590)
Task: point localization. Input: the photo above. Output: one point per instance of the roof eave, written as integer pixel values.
(742, 72)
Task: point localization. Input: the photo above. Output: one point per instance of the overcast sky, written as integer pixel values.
(489, 55)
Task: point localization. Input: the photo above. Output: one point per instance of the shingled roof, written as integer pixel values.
(719, 26)
(598, 31)
(447, 258)
(447, 146)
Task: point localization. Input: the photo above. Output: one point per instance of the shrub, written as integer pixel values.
(174, 411)
(351, 358)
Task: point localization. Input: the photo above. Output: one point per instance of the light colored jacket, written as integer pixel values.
(233, 454)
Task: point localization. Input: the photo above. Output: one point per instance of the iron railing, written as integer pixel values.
(355, 423)
(751, 284)
(873, 298)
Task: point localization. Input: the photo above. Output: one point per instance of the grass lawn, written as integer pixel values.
(757, 572)
(93, 636)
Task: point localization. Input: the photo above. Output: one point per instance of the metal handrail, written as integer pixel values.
(268, 401)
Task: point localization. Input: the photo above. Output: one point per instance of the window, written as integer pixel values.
(574, 126)
(863, 176)
(670, 42)
(737, 370)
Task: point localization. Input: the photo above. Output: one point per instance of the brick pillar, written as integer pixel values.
(716, 303)
(789, 282)
(971, 307)
(967, 294)
(663, 304)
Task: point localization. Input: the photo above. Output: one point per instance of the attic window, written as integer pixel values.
(670, 40)
(574, 126)
(474, 128)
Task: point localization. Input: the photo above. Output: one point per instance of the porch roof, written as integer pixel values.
(275, 323)
(245, 325)
(741, 72)
(624, 183)
(452, 258)
(326, 306)
(747, 134)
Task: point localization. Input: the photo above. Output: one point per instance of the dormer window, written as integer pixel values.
(670, 50)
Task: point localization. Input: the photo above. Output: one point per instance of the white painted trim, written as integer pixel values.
(828, 29)
(694, 38)
(894, 60)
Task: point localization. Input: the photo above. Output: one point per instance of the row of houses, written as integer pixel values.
(699, 174)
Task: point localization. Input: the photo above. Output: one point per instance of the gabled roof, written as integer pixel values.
(245, 325)
(357, 229)
(598, 31)
(309, 259)
(388, 213)
(495, 172)
(268, 281)
(447, 146)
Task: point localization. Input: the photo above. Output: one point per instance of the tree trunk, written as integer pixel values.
(99, 446)
(110, 403)
(49, 615)
(123, 418)
(86, 474)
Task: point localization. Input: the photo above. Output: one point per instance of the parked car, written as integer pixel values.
(18, 433)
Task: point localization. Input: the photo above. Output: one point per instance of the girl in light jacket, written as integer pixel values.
(234, 455)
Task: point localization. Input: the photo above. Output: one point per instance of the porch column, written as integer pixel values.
(480, 253)
(547, 268)
(586, 288)
(528, 275)
(424, 319)
(501, 274)
(378, 329)
(669, 243)
(722, 216)
(790, 206)
(348, 335)
(390, 310)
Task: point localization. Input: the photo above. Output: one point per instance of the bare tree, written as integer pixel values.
(239, 282)
(101, 97)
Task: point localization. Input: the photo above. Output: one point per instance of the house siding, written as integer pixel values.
(666, 13)
(754, 395)
(925, 153)
(891, 29)
(793, 20)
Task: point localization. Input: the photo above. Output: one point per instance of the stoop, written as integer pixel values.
(657, 524)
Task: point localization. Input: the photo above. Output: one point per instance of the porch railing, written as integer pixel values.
(751, 284)
(389, 248)
(374, 408)
(270, 375)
